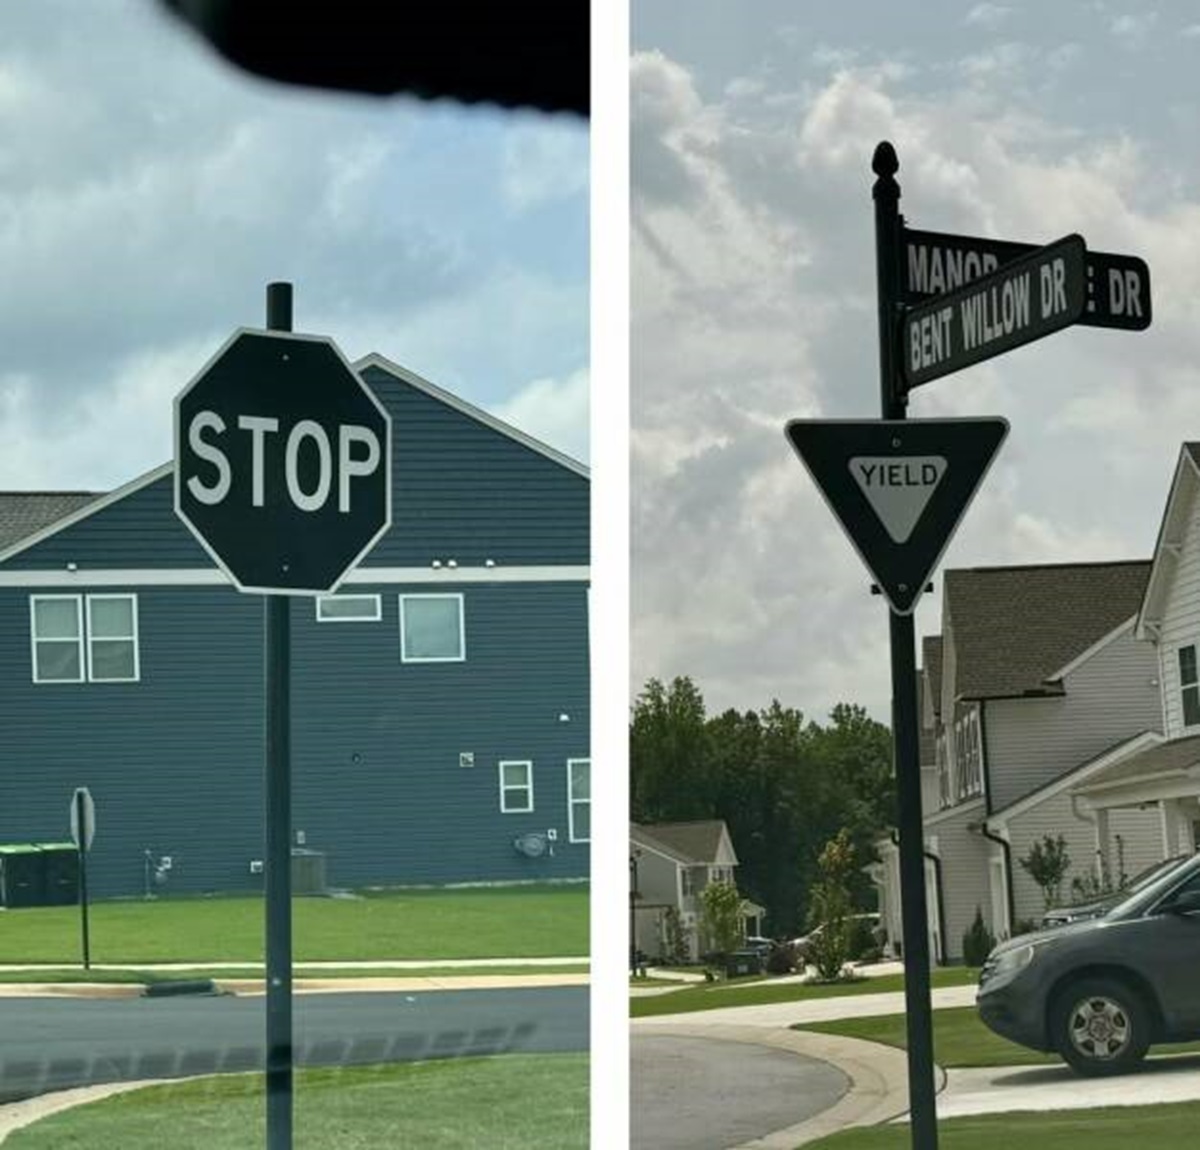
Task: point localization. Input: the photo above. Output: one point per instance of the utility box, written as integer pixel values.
(22, 876)
(308, 871)
(61, 869)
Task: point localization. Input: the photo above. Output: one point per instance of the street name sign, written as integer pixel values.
(82, 805)
(898, 488)
(282, 462)
(1118, 286)
(1018, 303)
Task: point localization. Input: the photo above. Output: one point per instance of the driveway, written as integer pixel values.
(706, 1094)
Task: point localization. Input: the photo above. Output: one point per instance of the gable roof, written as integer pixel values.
(60, 510)
(1184, 483)
(23, 513)
(1014, 627)
(1174, 756)
(693, 842)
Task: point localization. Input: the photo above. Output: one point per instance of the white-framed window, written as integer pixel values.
(84, 637)
(579, 800)
(1189, 686)
(969, 754)
(516, 787)
(945, 797)
(349, 609)
(56, 629)
(431, 629)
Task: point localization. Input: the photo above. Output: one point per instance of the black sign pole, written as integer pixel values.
(82, 844)
(889, 249)
(278, 787)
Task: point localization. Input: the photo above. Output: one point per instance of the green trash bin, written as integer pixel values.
(742, 962)
(61, 874)
(22, 875)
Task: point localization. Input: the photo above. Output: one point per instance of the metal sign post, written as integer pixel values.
(921, 1089)
(83, 827)
(278, 789)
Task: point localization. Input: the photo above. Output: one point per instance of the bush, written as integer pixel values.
(861, 938)
(782, 959)
(977, 941)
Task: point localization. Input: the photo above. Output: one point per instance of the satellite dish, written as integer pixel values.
(532, 845)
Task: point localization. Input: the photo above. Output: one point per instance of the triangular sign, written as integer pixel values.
(898, 488)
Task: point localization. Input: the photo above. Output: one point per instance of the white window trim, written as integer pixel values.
(527, 788)
(34, 640)
(572, 801)
(375, 616)
(1181, 686)
(133, 638)
(462, 631)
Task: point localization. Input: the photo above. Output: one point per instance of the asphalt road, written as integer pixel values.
(52, 1043)
(702, 1094)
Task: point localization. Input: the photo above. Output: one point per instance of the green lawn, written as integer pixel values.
(959, 1039)
(709, 996)
(1164, 1127)
(78, 974)
(506, 922)
(512, 1102)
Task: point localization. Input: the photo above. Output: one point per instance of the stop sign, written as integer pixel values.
(282, 462)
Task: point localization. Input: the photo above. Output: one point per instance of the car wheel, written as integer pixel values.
(1100, 1026)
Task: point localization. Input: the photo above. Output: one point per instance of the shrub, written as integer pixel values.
(782, 959)
(861, 938)
(977, 941)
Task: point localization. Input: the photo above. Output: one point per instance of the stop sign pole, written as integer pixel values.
(278, 792)
(889, 249)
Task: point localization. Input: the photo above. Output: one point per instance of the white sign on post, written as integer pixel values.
(87, 832)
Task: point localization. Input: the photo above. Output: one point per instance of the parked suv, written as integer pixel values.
(1100, 992)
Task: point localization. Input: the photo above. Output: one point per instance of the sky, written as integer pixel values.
(753, 302)
(149, 192)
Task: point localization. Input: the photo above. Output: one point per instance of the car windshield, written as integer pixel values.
(1133, 901)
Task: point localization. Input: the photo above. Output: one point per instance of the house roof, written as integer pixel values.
(695, 842)
(1015, 626)
(931, 659)
(1173, 756)
(23, 513)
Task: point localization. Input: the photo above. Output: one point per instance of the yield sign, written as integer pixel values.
(898, 488)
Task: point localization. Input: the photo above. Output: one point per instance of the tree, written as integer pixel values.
(721, 917)
(1047, 864)
(830, 908)
(668, 754)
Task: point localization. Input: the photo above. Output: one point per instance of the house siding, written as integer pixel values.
(964, 855)
(175, 761)
(1181, 622)
(462, 491)
(1112, 696)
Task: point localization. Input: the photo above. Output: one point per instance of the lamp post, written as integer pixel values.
(633, 895)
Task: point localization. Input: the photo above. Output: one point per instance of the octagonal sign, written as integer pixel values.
(283, 462)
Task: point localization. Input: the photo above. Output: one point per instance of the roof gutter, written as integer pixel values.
(1006, 846)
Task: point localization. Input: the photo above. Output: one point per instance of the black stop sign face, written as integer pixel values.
(282, 462)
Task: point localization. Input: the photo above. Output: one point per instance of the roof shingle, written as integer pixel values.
(24, 512)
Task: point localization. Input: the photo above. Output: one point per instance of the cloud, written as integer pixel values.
(752, 273)
(554, 411)
(987, 15)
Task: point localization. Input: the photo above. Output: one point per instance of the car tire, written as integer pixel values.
(1100, 1026)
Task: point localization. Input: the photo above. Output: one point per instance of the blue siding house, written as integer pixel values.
(440, 700)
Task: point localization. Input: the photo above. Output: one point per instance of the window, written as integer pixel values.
(349, 609)
(67, 651)
(579, 800)
(943, 771)
(516, 787)
(431, 629)
(1189, 686)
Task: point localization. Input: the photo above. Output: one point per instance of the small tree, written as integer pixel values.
(977, 941)
(1047, 864)
(676, 940)
(722, 916)
(830, 906)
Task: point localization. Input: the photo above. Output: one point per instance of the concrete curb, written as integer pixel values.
(16, 1115)
(878, 1077)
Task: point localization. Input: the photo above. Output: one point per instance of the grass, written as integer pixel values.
(709, 996)
(511, 1102)
(960, 1039)
(1163, 1127)
(78, 974)
(505, 922)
